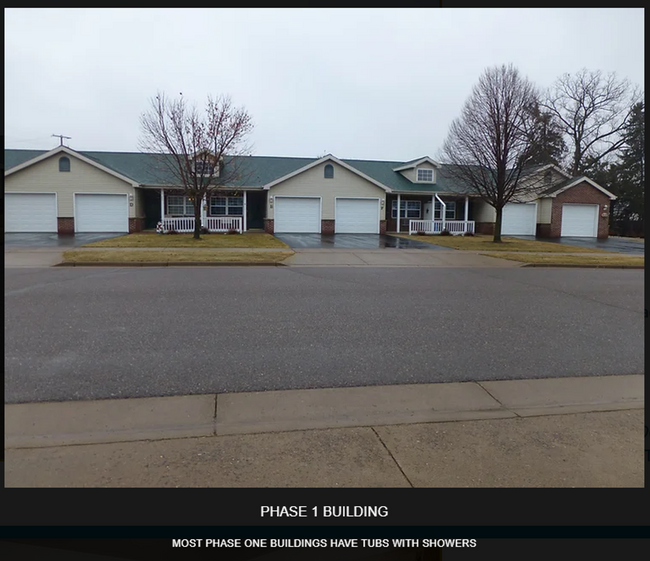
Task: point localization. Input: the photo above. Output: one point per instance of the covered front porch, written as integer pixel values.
(226, 211)
(429, 214)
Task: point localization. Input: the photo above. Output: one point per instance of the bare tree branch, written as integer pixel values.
(593, 109)
(489, 145)
(196, 153)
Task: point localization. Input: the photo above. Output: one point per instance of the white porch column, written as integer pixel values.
(433, 212)
(162, 207)
(465, 226)
(245, 202)
(399, 210)
(204, 212)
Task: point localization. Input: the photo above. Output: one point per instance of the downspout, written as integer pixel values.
(443, 211)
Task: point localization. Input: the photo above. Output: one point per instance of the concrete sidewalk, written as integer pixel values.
(550, 432)
(33, 257)
(393, 258)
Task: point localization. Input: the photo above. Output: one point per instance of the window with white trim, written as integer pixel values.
(64, 164)
(408, 209)
(329, 171)
(203, 168)
(424, 175)
(179, 205)
(226, 206)
(450, 211)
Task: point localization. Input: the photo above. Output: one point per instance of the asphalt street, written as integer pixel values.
(73, 334)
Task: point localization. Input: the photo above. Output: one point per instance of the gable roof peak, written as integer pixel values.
(414, 163)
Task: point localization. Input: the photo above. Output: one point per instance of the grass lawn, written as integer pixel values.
(158, 256)
(485, 243)
(611, 259)
(142, 239)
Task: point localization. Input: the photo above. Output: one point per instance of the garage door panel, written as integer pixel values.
(101, 213)
(357, 216)
(297, 215)
(519, 219)
(30, 212)
(579, 220)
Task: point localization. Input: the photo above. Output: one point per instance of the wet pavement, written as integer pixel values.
(55, 240)
(619, 245)
(352, 241)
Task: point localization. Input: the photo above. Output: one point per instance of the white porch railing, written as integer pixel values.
(178, 224)
(435, 226)
(224, 223)
(214, 224)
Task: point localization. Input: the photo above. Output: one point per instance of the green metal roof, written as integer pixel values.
(256, 171)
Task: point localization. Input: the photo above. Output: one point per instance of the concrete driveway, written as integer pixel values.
(352, 241)
(44, 250)
(54, 240)
(619, 245)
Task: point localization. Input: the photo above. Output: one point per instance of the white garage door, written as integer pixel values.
(101, 213)
(579, 220)
(519, 219)
(357, 216)
(30, 212)
(297, 215)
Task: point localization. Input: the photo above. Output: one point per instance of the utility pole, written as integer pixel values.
(61, 137)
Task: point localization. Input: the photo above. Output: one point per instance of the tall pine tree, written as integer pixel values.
(547, 138)
(628, 174)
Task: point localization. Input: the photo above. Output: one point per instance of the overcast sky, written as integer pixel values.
(357, 83)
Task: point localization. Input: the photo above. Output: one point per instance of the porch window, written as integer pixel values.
(179, 206)
(227, 206)
(408, 209)
(450, 211)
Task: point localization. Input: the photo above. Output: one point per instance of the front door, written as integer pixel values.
(151, 208)
(255, 209)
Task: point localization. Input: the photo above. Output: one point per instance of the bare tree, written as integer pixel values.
(593, 109)
(198, 152)
(489, 145)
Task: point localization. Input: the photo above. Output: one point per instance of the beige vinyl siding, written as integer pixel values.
(483, 212)
(312, 183)
(533, 185)
(139, 203)
(45, 177)
(544, 210)
(411, 174)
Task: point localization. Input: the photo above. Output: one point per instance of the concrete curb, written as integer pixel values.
(173, 264)
(583, 266)
(47, 424)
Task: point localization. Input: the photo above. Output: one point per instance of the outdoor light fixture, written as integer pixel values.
(382, 203)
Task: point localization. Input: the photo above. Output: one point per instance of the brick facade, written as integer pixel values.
(268, 225)
(543, 231)
(136, 225)
(484, 228)
(382, 226)
(327, 226)
(582, 193)
(65, 225)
